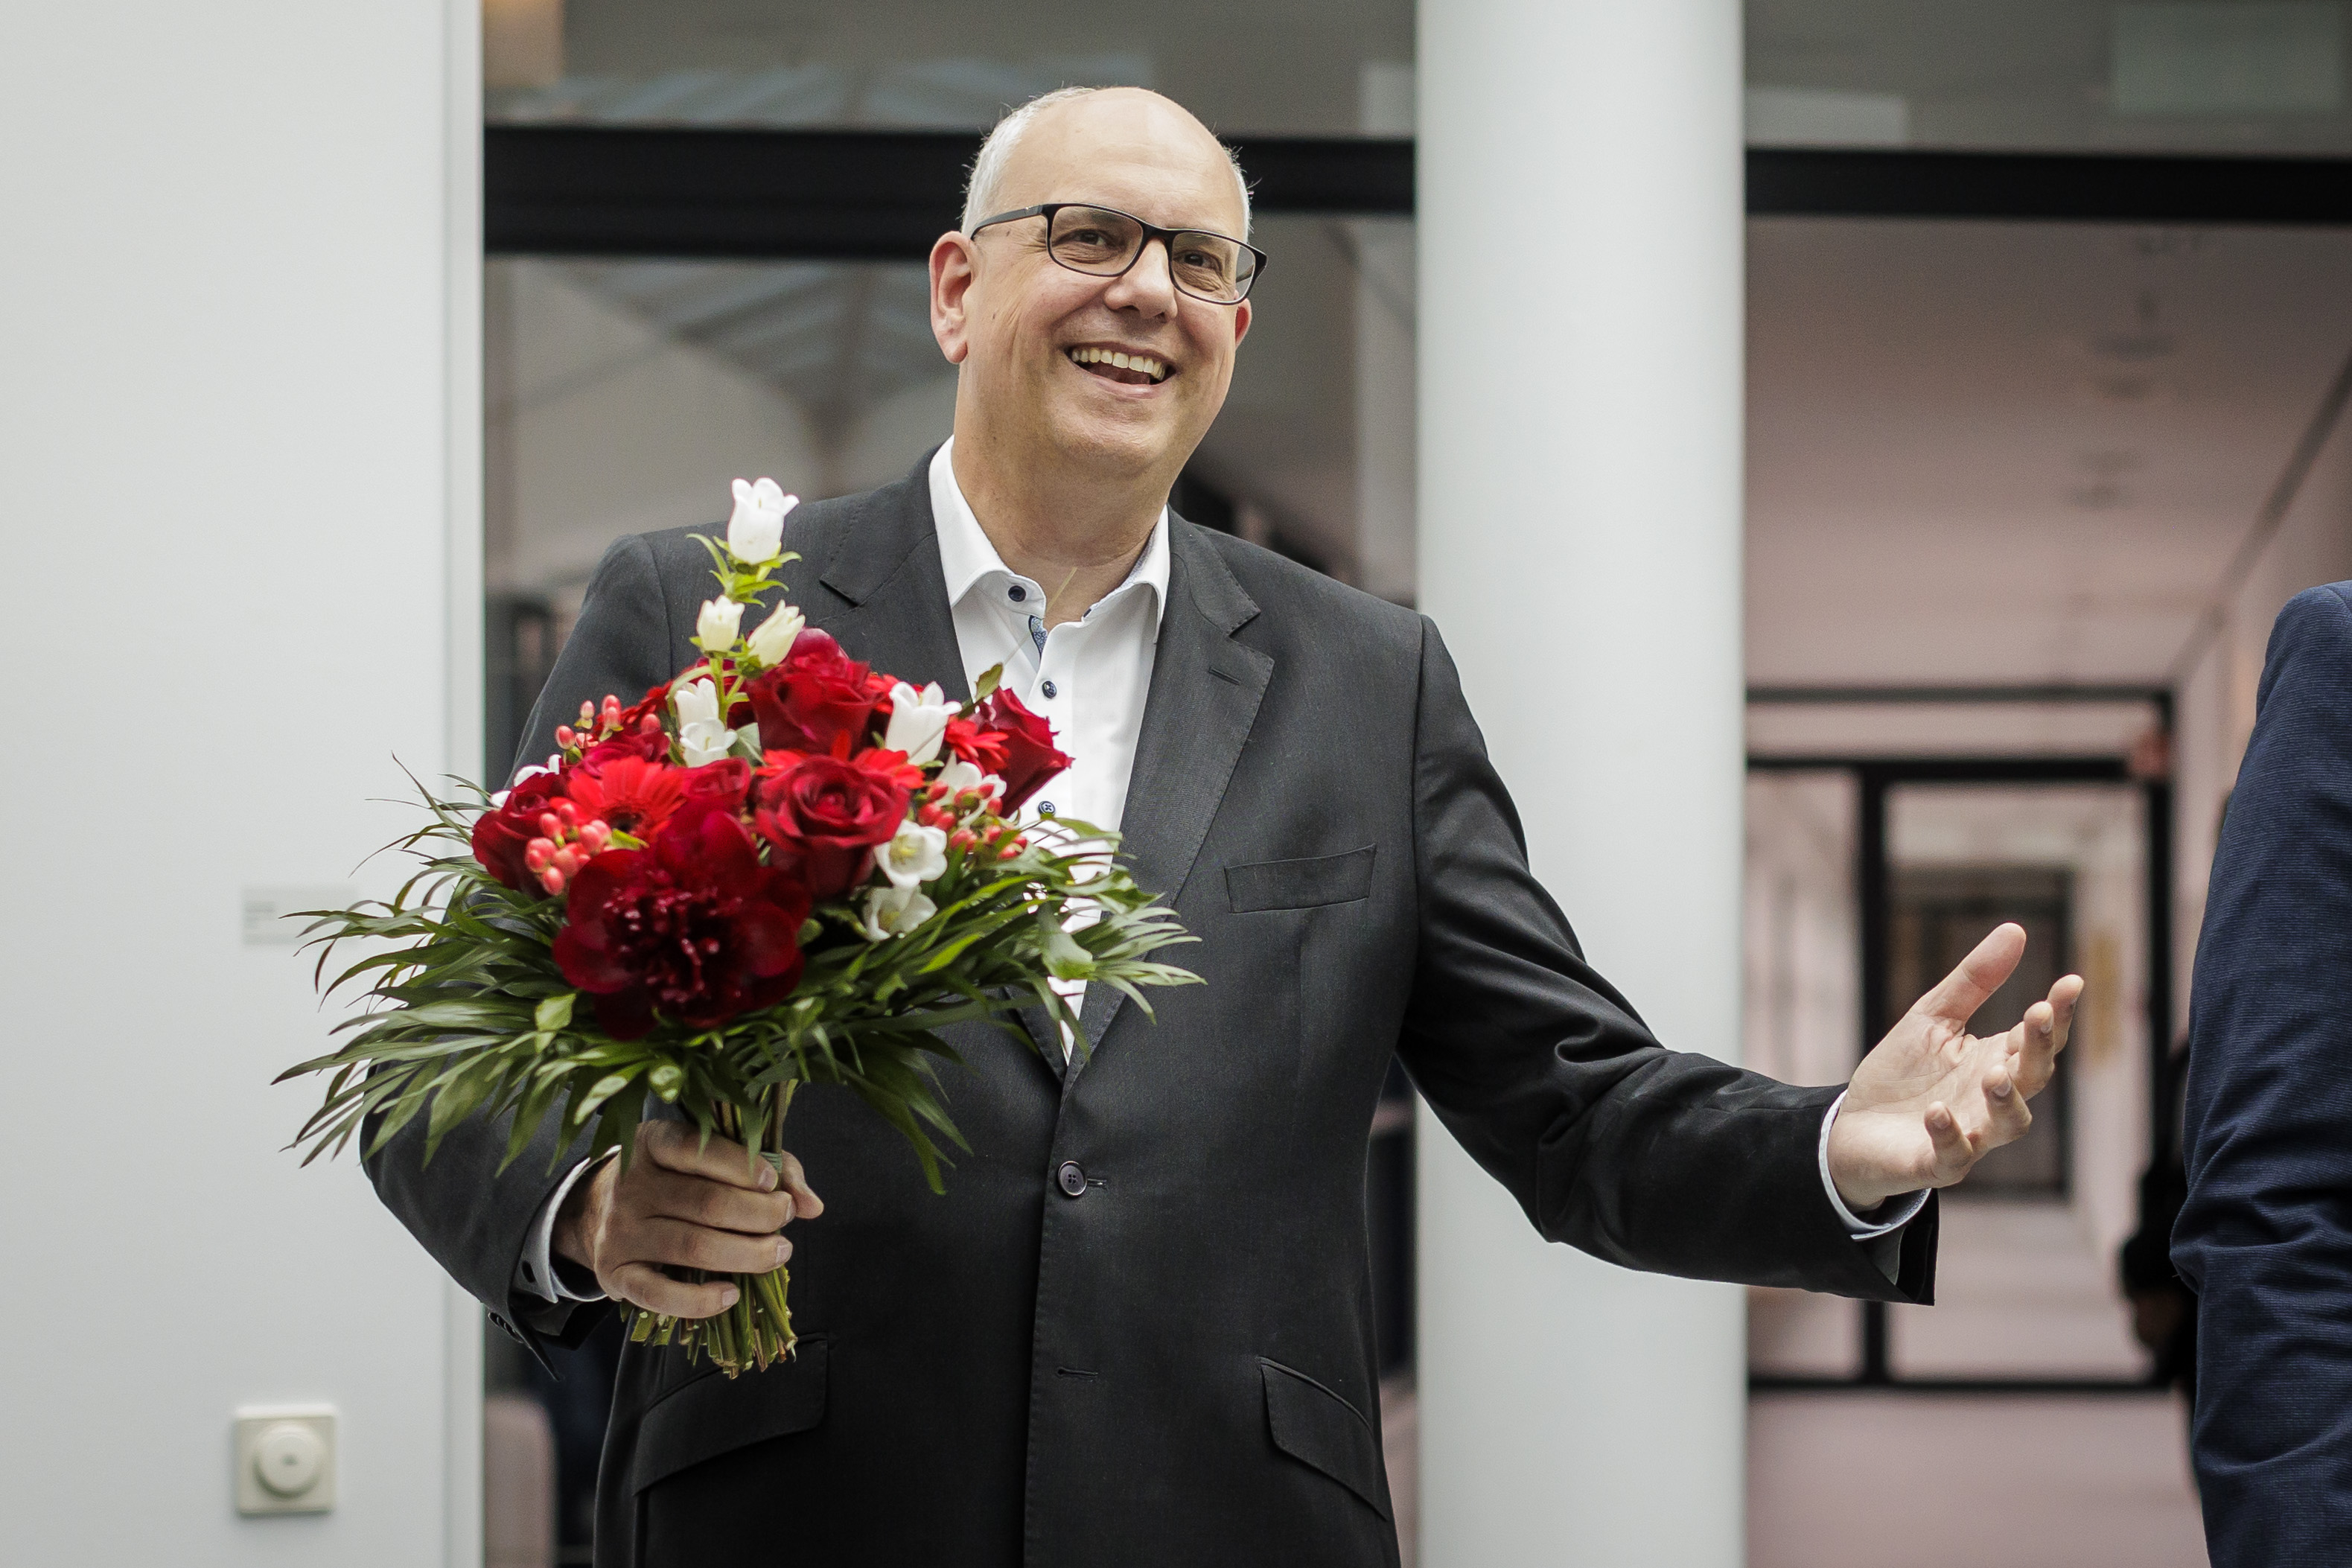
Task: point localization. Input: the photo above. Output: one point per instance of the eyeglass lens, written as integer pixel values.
(1095, 240)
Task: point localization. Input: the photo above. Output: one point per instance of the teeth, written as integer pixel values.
(1155, 369)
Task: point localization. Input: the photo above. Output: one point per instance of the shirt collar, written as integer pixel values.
(967, 558)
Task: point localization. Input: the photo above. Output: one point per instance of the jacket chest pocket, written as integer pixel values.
(1301, 884)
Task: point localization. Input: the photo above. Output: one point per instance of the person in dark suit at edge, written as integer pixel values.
(2264, 1235)
(1136, 1329)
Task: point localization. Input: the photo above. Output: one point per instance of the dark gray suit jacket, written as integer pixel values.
(1177, 1365)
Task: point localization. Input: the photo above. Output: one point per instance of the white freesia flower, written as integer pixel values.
(914, 856)
(716, 626)
(918, 721)
(959, 775)
(700, 736)
(894, 911)
(755, 533)
(773, 639)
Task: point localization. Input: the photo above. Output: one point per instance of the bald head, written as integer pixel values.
(1066, 128)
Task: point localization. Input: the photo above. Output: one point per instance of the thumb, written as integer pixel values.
(1979, 975)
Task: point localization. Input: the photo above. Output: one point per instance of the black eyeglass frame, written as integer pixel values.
(1151, 231)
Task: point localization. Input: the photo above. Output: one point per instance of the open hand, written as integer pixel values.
(1931, 1100)
(681, 1205)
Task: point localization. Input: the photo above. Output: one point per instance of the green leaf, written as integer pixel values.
(555, 1013)
(605, 1089)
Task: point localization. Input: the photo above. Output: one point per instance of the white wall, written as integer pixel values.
(238, 495)
(2312, 545)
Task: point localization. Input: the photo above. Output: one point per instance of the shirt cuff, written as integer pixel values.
(1899, 1211)
(536, 1272)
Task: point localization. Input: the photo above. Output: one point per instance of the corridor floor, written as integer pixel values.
(1912, 1480)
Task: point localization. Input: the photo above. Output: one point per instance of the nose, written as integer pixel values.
(1148, 286)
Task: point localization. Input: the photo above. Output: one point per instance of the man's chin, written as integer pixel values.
(1121, 449)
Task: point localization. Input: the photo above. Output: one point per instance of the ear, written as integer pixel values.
(1241, 323)
(951, 278)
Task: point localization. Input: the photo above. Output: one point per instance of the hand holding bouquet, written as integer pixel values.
(779, 868)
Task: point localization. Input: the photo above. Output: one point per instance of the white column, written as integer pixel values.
(1579, 217)
(240, 509)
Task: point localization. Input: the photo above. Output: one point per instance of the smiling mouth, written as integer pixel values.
(1112, 364)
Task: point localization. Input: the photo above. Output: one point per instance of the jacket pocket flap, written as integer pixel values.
(1317, 1427)
(714, 1414)
(1301, 884)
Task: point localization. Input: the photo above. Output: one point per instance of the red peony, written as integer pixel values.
(725, 783)
(502, 833)
(823, 816)
(1030, 755)
(629, 795)
(815, 696)
(693, 928)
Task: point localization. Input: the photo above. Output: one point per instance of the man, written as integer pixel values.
(1136, 1328)
(2265, 1236)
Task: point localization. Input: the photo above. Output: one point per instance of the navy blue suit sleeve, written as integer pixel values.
(2265, 1237)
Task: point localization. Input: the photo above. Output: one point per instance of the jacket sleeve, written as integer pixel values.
(1652, 1159)
(2265, 1236)
(470, 1215)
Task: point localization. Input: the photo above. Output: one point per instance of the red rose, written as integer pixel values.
(502, 833)
(724, 782)
(628, 795)
(645, 745)
(694, 928)
(824, 815)
(816, 694)
(1030, 755)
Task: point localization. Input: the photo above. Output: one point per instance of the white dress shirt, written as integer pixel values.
(1088, 678)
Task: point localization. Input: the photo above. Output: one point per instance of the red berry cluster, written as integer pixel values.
(563, 845)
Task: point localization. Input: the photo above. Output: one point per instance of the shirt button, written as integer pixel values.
(1044, 808)
(1051, 690)
(1072, 1179)
(1016, 592)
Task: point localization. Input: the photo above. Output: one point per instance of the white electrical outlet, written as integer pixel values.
(285, 1459)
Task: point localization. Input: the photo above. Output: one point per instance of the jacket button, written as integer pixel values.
(1072, 1179)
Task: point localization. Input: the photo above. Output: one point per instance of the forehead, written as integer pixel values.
(1130, 150)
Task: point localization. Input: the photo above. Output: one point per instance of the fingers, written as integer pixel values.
(804, 1201)
(643, 1285)
(1981, 973)
(682, 1245)
(2006, 1115)
(1951, 1149)
(2033, 1045)
(2062, 998)
(675, 1146)
(699, 1200)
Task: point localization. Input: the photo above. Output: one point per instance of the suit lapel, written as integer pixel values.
(889, 608)
(1205, 693)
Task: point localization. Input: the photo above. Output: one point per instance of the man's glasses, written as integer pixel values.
(1103, 242)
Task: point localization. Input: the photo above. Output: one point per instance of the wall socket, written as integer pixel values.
(285, 1459)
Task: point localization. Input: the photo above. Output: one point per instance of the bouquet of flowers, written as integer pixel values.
(779, 868)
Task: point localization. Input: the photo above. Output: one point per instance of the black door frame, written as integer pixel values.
(877, 195)
(1874, 777)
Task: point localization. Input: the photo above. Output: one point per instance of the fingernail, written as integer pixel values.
(2001, 1091)
(767, 1178)
(783, 1252)
(727, 1297)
